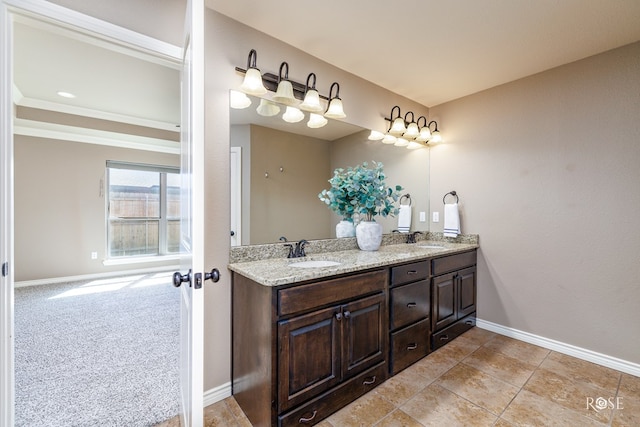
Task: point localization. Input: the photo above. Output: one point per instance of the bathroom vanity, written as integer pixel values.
(308, 341)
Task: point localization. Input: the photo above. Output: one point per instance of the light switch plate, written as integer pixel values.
(436, 216)
(423, 216)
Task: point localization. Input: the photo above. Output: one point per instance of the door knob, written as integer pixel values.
(179, 279)
(233, 233)
(214, 276)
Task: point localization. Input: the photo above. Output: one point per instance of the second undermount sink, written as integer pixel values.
(314, 264)
(431, 247)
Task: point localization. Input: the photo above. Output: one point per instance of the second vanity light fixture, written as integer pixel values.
(407, 132)
(289, 93)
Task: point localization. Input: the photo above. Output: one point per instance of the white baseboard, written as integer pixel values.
(216, 394)
(560, 347)
(94, 276)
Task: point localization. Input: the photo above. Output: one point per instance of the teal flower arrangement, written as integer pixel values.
(361, 190)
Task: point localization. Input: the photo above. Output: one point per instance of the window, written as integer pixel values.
(143, 210)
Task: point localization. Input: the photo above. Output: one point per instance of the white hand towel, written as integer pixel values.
(404, 219)
(451, 220)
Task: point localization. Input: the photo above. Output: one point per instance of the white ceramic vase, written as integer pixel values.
(369, 235)
(345, 229)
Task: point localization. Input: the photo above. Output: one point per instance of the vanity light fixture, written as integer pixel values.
(435, 135)
(397, 125)
(316, 121)
(335, 110)
(292, 115)
(267, 108)
(389, 139)
(252, 83)
(414, 145)
(401, 142)
(238, 100)
(311, 101)
(284, 93)
(412, 129)
(375, 135)
(425, 132)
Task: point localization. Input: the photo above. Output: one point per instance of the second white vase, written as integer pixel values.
(369, 235)
(345, 229)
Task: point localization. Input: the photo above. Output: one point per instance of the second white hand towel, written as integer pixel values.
(404, 219)
(451, 220)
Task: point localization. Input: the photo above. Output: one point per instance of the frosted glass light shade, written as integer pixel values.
(414, 145)
(412, 131)
(397, 128)
(292, 115)
(389, 139)
(436, 137)
(267, 108)
(425, 134)
(401, 142)
(238, 100)
(311, 102)
(284, 93)
(252, 83)
(316, 121)
(335, 110)
(375, 135)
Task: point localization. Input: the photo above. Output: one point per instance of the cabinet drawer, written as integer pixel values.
(409, 345)
(453, 262)
(306, 297)
(329, 402)
(451, 332)
(409, 303)
(409, 273)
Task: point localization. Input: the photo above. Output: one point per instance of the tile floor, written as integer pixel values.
(483, 379)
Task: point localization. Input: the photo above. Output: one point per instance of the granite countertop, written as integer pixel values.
(278, 271)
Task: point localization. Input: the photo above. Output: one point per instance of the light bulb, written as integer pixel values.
(292, 115)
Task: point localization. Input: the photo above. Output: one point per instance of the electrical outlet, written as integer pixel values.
(94, 255)
(423, 216)
(436, 216)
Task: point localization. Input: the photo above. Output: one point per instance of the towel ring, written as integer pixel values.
(453, 193)
(408, 196)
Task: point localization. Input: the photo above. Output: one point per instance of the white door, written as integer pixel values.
(191, 277)
(6, 224)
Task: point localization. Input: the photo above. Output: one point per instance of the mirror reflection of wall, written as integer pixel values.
(285, 202)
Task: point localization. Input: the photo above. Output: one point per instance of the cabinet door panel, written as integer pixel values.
(466, 291)
(365, 334)
(444, 301)
(309, 356)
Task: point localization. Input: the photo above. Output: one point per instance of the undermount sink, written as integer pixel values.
(314, 264)
(431, 247)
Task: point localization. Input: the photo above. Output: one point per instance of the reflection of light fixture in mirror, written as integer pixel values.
(316, 121)
(389, 139)
(292, 115)
(401, 142)
(397, 125)
(267, 108)
(435, 134)
(335, 110)
(65, 94)
(425, 132)
(412, 129)
(375, 136)
(284, 93)
(414, 145)
(238, 100)
(252, 83)
(311, 101)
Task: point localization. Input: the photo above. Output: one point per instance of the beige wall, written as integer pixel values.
(59, 207)
(547, 169)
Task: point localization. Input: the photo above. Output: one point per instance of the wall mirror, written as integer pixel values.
(278, 169)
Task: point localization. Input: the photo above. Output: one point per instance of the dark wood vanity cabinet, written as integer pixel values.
(453, 294)
(320, 346)
(409, 309)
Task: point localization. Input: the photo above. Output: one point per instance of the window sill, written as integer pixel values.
(141, 260)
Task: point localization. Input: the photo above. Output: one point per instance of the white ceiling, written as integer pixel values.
(433, 51)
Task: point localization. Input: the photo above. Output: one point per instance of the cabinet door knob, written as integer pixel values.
(338, 316)
(304, 420)
(412, 346)
(369, 381)
(412, 305)
(347, 314)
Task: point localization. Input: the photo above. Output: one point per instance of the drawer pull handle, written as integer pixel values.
(369, 382)
(469, 322)
(306, 420)
(410, 272)
(444, 338)
(412, 305)
(412, 346)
